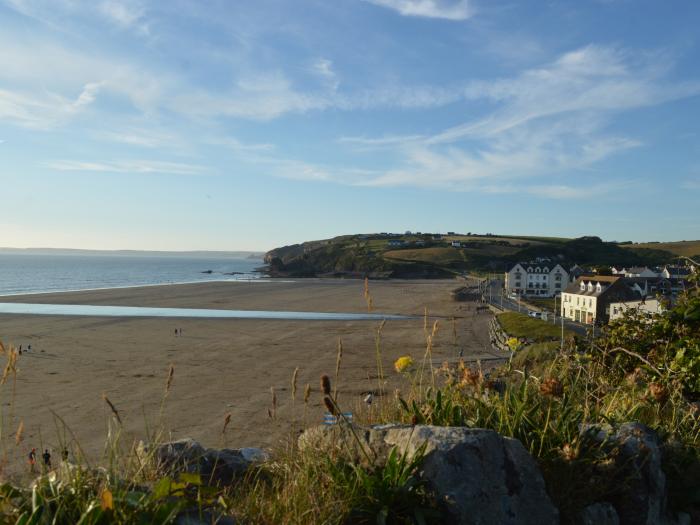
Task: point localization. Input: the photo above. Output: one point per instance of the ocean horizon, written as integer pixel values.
(23, 273)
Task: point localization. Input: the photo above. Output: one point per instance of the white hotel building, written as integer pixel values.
(536, 280)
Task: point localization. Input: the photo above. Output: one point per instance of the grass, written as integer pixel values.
(546, 304)
(684, 248)
(637, 371)
(525, 327)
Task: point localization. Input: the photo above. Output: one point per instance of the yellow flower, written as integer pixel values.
(513, 344)
(403, 364)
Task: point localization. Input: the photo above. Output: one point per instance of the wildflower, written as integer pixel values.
(403, 364)
(567, 452)
(658, 392)
(552, 387)
(514, 344)
(472, 377)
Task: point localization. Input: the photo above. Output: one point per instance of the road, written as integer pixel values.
(494, 294)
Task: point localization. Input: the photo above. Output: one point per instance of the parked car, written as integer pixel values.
(536, 315)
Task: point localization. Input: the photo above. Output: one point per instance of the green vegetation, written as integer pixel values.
(683, 248)
(426, 255)
(525, 327)
(639, 370)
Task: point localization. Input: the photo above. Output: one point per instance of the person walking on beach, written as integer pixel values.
(47, 459)
(32, 460)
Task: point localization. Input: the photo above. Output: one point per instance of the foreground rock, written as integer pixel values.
(638, 466)
(217, 467)
(479, 476)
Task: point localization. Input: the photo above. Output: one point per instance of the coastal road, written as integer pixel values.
(493, 293)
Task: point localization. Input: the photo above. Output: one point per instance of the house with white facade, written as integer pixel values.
(456, 244)
(536, 280)
(649, 307)
(636, 271)
(588, 299)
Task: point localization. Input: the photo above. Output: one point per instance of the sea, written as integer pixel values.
(22, 273)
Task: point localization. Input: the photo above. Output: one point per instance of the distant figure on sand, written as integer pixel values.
(32, 460)
(29, 348)
(47, 458)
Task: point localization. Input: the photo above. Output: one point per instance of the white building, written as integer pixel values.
(640, 271)
(456, 244)
(588, 300)
(647, 306)
(534, 280)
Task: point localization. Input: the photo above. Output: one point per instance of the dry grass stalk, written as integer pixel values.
(378, 351)
(330, 406)
(338, 359)
(227, 420)
(307, 393)
(326, 385)
(273, 407)
(368, 296)
(18, 434)
(2, 348)
(112, 408)
(295, 377)
(10, 366)
(169, 382)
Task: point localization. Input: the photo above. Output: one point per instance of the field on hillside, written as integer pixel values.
(685, 248)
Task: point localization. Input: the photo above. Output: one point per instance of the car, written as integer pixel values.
(513, 295)
(536, 315)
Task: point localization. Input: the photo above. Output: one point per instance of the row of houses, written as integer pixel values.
(589, 298)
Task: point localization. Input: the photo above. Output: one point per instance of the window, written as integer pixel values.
(577, 301)
(517, 284)
(598, 288)
(590, 302)
(557, 277)
(583, 286)
(557, 285)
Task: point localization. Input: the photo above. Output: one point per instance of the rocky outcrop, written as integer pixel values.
(637, 453)
(217, 467)
(478, 476)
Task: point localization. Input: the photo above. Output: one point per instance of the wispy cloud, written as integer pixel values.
(547, 120)
(323, 68)
(46, 110)
(446, 9)
(131, 166)
(126, 14)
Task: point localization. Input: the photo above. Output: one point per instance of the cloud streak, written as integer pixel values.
(131, 166)
(445, 9)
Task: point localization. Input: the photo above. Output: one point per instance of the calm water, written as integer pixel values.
(137, 311)
(22, 273)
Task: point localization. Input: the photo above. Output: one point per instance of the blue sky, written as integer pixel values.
(246, 124)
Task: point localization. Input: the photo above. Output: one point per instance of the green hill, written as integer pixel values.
(428, 255)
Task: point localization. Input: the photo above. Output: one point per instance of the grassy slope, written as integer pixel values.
(520, 325)
(685, 248)
(372, 253)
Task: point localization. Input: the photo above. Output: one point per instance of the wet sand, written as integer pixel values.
(221, 365)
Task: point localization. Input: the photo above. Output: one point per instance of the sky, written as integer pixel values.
(250, 124)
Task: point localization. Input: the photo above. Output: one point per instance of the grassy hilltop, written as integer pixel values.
(428, 255)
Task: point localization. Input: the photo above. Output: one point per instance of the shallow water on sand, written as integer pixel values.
(139, 311)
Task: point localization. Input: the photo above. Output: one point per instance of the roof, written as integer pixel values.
(607, 280)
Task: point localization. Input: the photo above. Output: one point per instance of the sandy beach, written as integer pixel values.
(221, 366)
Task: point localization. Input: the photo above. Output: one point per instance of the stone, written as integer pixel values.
(638, 459)
(598, 514)
(217, 467)
(478, 476)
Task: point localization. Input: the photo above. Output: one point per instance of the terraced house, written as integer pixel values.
(588, 299)
(536, 280)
